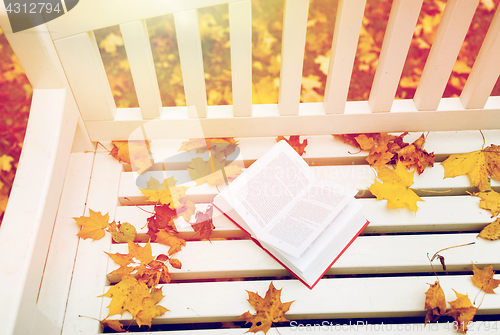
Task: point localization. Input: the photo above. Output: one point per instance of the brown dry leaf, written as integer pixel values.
(490, 201)
(294, 142)
(435, 302)
(484, 279)
(491, 232)
(462, 311)
(204, 223)
(168, 238)
(479, 166)
(93, 226)
(175, 263)
(395, 187)
(269, 309)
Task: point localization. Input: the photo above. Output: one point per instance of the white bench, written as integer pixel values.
(50, 277)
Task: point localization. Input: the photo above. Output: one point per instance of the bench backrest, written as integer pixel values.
(78, 51)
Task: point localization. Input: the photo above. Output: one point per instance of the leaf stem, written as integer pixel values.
(455, 246)
(432, 266)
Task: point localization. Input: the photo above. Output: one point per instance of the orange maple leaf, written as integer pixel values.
(269, 310)
(93, 226)
(484, 279)
(435, 302)
(462, 311)
(169, 238)
(294, 142)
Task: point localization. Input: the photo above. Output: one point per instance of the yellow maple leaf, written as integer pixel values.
(462, 311)
(166, 237)
(478, 166)
(135, 153)
(490, 201)
(435, 302)
(491, 232)
(93, 226)
(395, 187)
(165, 193)
(150, 308)
(484, 279)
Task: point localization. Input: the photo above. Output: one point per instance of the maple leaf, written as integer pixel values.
(435, 302)
(122, 232)
(116, 325)
(163, 218)
(167, 193)
(478, 166)
(93, 225)
(135, 153)
(484, 279)
(395, 187)
(294, 142)
(151, 309)
(462, 311)
(491, 232)
(201, 172)
(168, 238)
(490, 201)
(136, 298)
(269, 309)
(413, 155)
(204, 224)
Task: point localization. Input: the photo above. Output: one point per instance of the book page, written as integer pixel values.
(307, 217)
(264, 190)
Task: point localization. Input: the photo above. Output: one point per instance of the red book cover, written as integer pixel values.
(268, 252)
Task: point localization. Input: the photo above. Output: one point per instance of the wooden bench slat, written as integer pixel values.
(367, 255)
(450, 35)
(486, 69)
(89, 275)
(397, 39)
(331, 298)
(139, 54)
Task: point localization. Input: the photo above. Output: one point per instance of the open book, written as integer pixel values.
(303, 222)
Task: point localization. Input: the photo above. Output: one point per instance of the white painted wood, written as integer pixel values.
(345, 40)
(191, 59)
(89, 275)
(85, 71)
(96, 14)
(361, 297)
(357, 119)
(367, 255)
(28, 222)
(398, 35)
(240, 25)
(64, 242)
(292, 55)
(451, 33)
(136, 40)
(486, 69)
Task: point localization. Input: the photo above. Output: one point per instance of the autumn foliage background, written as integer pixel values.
(15, 90)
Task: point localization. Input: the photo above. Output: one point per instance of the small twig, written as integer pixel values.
(430, 191)
(484, 140)
(432, 266)
(455, 246)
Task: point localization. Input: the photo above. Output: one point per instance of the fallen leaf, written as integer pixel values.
(136, 298)
(294, 142)
(122, 232)
(395, 187)
(484, 279)
(201, 172)
(435, 303)
(175, 263)
(116, 325)
(135, 153)
(462, 311)
(168, 238)
(93, 226)
(269, 310)
(5, 163)
(490, 201)
(204, 224)
(479, 166)
(163, 218)
(491, 232)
